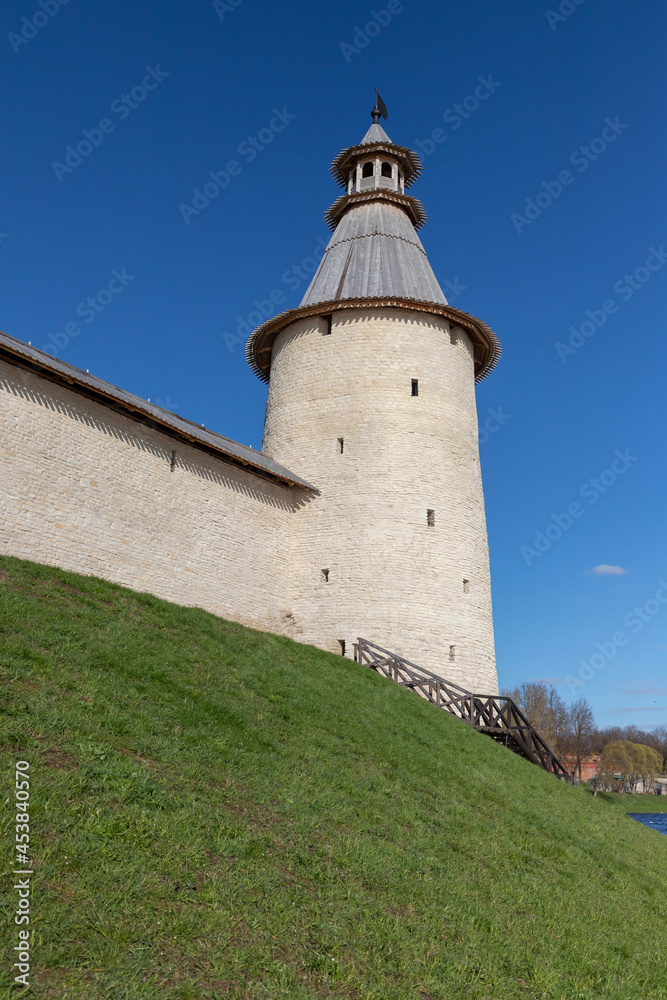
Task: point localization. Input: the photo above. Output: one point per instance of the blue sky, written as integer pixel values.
(201, 80)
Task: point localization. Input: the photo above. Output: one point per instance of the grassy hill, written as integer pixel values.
(218, 812)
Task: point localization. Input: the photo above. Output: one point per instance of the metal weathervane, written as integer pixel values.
(380, 109)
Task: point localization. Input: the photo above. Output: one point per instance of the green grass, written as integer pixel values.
(637, 803)
(218, 812)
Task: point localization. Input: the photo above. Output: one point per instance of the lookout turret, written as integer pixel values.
(375, 249)
(371, 399)
(375, 164)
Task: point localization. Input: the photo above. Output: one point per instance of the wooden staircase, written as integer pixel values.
(497, 716)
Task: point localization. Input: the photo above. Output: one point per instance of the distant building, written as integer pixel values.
(589, 766)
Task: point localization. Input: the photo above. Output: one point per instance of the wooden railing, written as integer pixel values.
(497, 716)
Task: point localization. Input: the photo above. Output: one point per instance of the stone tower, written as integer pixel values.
(371, 399)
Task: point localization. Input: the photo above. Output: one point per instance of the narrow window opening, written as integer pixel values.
(430, 518)
(452, 652)
(341, 643)
(367, 170)
(172, 464)
(341, 445)
(386, 169)
(327, 325)
(415, 387)
(466, 586)
(325, 575)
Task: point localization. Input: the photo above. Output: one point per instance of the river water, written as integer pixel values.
(656, 821)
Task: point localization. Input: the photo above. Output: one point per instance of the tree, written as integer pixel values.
(579, 733)
(637, 755)
(615, 765)
(605, 736)
(545, 710)
(655, 738)
(627, 762)
(572, 736)
(652, 766)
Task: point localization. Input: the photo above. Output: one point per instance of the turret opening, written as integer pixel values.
(388, 176)
(375, 174)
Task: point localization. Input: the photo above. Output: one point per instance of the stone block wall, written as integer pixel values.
(91, 490)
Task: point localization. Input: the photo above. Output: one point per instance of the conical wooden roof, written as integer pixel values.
(374, 251)
(375, 257)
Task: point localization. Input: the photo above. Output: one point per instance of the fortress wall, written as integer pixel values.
(91, 490)
(392, 578)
